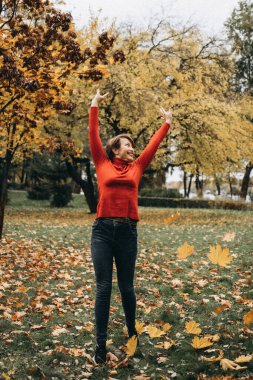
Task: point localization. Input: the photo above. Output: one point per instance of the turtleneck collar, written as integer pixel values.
(119, 163)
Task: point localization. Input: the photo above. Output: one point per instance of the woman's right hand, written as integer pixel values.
(97, 98)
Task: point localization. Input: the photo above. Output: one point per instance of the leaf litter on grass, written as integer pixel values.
(47, 286)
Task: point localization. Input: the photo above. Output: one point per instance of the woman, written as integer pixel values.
(114, 233)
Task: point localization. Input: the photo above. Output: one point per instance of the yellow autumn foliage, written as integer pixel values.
(154, 332)
(131, 346)
(185, 250)
(248, 318)
(213, 358)
(220, 256)
(192, 327)
(230, 364)
(199, 343)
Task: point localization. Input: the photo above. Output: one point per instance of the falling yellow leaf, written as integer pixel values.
(200, 343)
(229, 364)
(192, 327)
(154, 332)
(131, 345)
(172, 218)
(244, 358)
(219, 256)
(185, 250)
(248, 318)
(213, 358)
(166, 327)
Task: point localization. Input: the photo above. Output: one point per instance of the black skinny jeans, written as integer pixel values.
(113, 239)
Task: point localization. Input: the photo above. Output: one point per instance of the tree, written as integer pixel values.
(68, 133)
(240, 34)
(39, 49)
(212, 129)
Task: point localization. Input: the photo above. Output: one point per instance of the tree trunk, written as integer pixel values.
(230, 186)
(217, 184)
(185, 184)
(199, 186)
(86, 185)
(3, 189)
(245, 181)
(189, 186)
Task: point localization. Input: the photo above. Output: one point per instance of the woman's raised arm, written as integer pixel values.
(96, 146)
(148, 153)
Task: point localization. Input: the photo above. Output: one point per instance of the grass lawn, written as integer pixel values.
(47, 294)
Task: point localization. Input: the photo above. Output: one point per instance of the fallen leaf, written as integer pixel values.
(229, 236)
(166, 345)
(212, 338)
(7, 376)
(86, 375)
(248, 318)
(37, 327)
(59, 330)
(199, 343)
(113, 358)
(192, 327)
(213, 358)
(229, 364)
(139, 327)
(172, 218)
(219, 256)
(243, 359)
(131, 345)
(185, 250)
(219, 309)
(162, 359)
(166, 327)
(22, 289)
(202, 283)
(154, 332)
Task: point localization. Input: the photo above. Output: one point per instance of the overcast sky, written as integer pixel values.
(208, 14)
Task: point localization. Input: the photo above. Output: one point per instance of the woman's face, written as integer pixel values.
(126, 151)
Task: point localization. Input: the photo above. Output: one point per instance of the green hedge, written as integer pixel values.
(193, 203)
(159, 192)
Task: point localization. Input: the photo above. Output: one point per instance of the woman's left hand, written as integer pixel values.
(167, 115)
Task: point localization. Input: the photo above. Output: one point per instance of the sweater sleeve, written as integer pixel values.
(96, 146)
(148, 153)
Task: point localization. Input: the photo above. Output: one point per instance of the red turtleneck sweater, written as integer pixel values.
(118, 180)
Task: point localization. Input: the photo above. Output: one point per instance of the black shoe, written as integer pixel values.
(100, 355)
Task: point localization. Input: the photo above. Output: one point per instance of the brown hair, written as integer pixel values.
(114, 143)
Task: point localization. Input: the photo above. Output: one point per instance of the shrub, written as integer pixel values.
(16, 186)
(62, 195)
(192, 203)
(159, 192)
(39, 192)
